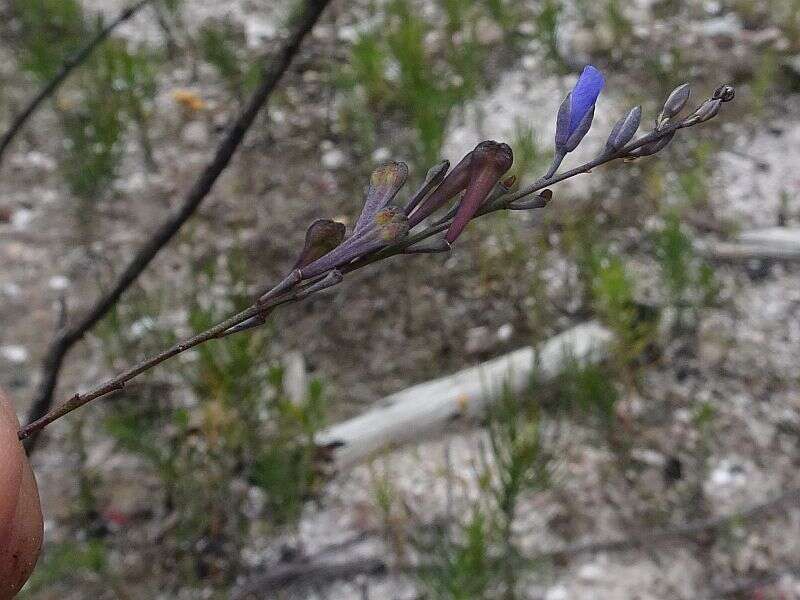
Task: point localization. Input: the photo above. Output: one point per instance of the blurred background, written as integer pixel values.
(202, 478)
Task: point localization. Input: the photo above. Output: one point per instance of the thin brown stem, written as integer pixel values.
(70, 335)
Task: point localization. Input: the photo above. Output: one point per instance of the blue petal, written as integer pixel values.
(584, 95)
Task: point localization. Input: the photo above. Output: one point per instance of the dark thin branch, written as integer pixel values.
(262, 307)
(70, 64)
(285, 575)
(739, 587)
(678, 532)
(68, 336)
(316, 571)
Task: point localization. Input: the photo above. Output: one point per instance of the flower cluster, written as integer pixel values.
(475, 186)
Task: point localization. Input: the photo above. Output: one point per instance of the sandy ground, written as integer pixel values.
(402, 323)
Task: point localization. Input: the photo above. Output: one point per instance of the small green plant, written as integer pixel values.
(479, 558)
(395, 70)
(463, 569)
(286, 469)
(693, 180)
(547, 20)
(611, 290)
(584, 390)
(114, 90)
(528, 156)
(67, 561)
(238, 426)
(111, 90)
(221, 46)
(50, 31)
(764, 81)
(688, 281)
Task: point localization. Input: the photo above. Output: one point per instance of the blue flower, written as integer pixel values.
(576, 112)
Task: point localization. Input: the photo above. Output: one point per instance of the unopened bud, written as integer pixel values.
(624, 130)
(674, 104)
(539, 201)
(708, 110)
(655, 146)
(724, 92)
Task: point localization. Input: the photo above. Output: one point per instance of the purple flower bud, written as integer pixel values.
(384, 184)
(333, 278)
(539, 201)
(724, 92)
(576, 111)
(433, 178)
(455, 182)
(624, 130)
(655, 145)
(489, 163)
(708, 110)
(674, 103)
(322, 236)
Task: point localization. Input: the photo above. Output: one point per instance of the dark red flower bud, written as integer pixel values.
(489, 163)
(455, 182)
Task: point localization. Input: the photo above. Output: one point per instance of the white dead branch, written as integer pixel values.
(775, 243)
(418, 412)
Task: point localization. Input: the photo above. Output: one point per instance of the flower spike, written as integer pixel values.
(489, 163)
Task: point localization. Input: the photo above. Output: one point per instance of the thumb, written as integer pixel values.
(20, 511)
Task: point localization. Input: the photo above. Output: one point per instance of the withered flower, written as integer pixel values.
(322, 236)
(384, 184)
(388, 226)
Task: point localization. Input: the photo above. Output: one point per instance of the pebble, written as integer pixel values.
(195, 134)
(590, 572)
(10, 289)
(505, 331)
(727, 474)
(14, 354)
(479, 339)
(558, 592)
(488, 31)
(35, 160)
(58, 283)
(22, 218)
(332, 158)
(381, 154)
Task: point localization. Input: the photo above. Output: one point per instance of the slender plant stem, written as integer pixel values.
(69, 65)
(71, 334)
(221, 330)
